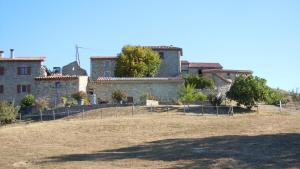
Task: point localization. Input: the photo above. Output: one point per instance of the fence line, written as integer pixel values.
(127, 110)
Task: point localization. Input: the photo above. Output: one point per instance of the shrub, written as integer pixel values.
(200, 96)
(28, 101)
(119, 96)
(215, 99)
(295, 95)
(275, 96)
(200, 82)
(64, 100)
(79, 95)
(41, 104)
(8, 112)
(187, 94)
(248, 90)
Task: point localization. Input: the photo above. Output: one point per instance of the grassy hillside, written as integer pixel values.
(158, 140)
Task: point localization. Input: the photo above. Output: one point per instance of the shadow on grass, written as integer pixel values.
(233, 151)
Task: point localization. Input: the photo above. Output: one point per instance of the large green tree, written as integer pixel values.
(137, 61)
(248, 90)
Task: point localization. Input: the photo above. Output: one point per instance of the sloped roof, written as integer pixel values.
(56, 77)
(103, 57)
(138, 78)
(227, 71)
(23, 59)
(202, 65)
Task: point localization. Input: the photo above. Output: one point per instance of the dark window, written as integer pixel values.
(161, 55)
(1, 70)
(23, 88)
(1, 88)
(24, 71)
(200, 72)
(107, 74)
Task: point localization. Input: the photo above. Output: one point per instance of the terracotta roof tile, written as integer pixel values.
(56, 77)
(138, 78)
(205, 65)
(227, 71)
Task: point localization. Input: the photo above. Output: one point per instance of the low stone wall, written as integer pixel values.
(53, 89)
(163, 90)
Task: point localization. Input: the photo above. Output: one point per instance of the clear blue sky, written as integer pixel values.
(260, 35)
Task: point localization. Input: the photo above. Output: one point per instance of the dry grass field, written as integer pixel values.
(157, 140)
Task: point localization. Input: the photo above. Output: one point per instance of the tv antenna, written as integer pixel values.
(77, 54)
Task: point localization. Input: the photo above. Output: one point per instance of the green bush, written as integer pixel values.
(79, 96)
(8, 113)
(248, 90)
(199, 82)
(28, 101)
(119, 95)
(275, 96)
(64, 100)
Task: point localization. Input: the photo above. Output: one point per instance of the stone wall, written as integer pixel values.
(170, 66)
(11, 79)
(163, 90)
(53, 89)
(98, 67)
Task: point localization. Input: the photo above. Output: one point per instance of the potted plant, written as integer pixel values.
(119, 96)
(79, 97)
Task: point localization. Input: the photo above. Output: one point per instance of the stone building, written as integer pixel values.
(53, 88)
(73, 69)
(17, 76)
(20, 76)
(104, 66)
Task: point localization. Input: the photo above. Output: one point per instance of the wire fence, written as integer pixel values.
(105, 111)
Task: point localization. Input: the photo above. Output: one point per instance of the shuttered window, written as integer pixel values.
(24, 71)
(1, 70)
(23, 88)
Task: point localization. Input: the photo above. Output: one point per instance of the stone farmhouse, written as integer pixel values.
(22, 75)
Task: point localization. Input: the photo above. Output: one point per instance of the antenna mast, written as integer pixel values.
(77, 54)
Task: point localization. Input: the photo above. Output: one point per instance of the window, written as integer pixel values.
(161, 55)
(107, 64)
(23, 88)
(107, 74)
(1, 88)
(24, 71)
(200, 72)
(1, 70)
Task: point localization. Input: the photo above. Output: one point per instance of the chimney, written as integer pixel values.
(1, 54)
(12, 53)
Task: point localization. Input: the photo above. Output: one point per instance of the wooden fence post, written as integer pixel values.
(41, 114)
(53, 113)
(132, 109)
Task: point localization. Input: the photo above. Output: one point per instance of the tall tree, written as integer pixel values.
(137, 61)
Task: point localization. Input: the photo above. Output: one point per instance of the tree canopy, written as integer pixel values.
(137, 61)
(248, 90)
(200, 82)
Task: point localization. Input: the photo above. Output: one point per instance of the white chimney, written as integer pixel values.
(12, 53)
(1, 54)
